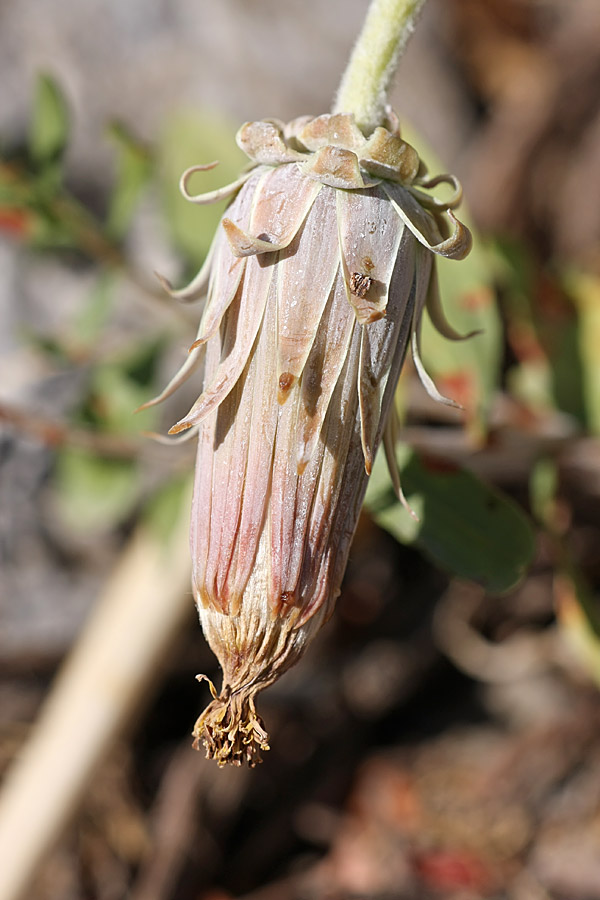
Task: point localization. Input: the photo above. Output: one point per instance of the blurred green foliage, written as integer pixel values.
(468, 372)
(467, 527)
(50, 124)
(135, 168)
(189, 139)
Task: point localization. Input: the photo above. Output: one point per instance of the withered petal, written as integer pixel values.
(383, 346)
(430, 202)
(423, 282)
(242, 328)
(198, 285)
(262, 428)
(369, 395)
(336, 167)
(322, 371)
(424, 227)
(369, 238)
(337, 497)
(191, 364)
(239, 212)
(263, 141)
(425, 378)
(204, 483)
(305, 275)
(245, 431)
(332, 130)
(167, 441)
(388, 156)
(211, 196)
(244, 244)
(437, 315)
(230, 457)
(390, 441)
(223, 290)
(281, 202)
(287, 516)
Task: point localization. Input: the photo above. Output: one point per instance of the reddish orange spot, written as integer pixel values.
(473, 301)
(55, 435)
(15, 221)
(447, 870)
(460, 386)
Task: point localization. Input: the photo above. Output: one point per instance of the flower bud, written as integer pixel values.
(316, 281)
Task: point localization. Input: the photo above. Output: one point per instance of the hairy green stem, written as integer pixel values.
(366, 81)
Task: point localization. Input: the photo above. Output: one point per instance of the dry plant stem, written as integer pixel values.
(142, 608)
(54, 433)
(89, 236)
(368, 76)
(92, 241)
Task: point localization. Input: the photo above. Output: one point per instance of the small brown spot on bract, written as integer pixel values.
(286, 380)
(360, 284)
(368, 264)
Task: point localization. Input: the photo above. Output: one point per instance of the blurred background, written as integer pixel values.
(441, 739)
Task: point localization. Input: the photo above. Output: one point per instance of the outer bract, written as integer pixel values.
(315, 284)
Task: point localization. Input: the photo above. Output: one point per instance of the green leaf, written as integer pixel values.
(95, 494)
(584, 289)
(543, 483)
(467, 527)
(163, 509)
(49, 124)
(187, 140)
(578, 612)
(134, 170)
(92, 319)
(468, 371)
(553, 334)
(118, 387)
(577, 606)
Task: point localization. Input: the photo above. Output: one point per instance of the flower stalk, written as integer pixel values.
(366, 82)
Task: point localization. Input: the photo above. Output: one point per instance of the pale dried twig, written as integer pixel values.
(137, 617)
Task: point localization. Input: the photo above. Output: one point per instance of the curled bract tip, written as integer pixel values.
(222, 193)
